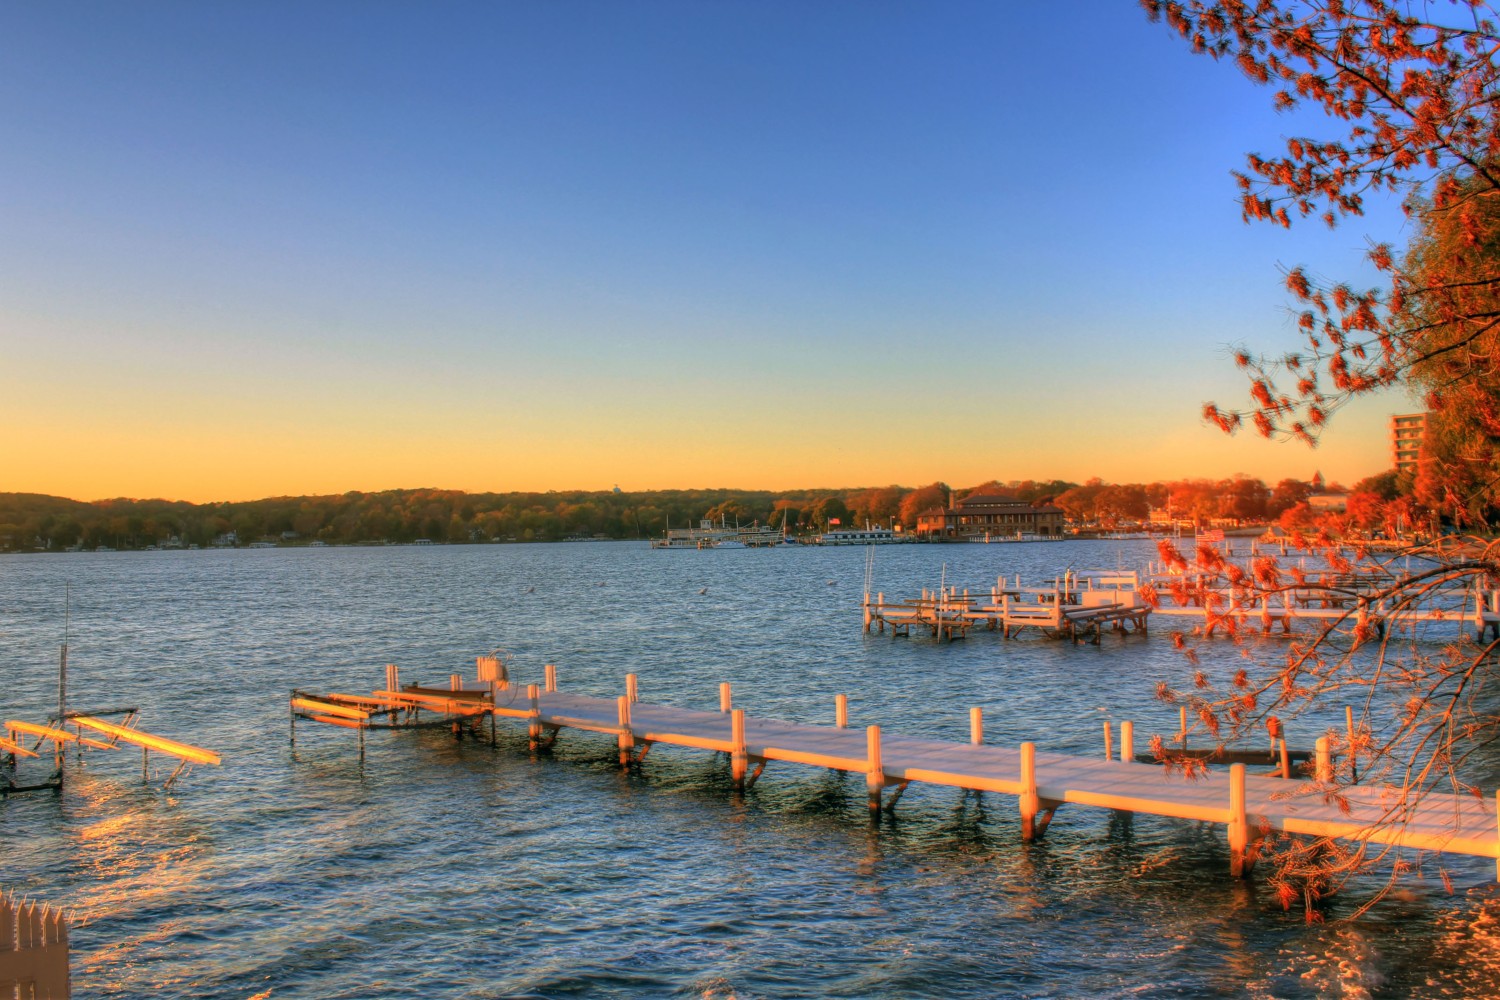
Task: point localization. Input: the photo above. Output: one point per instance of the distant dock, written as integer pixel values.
(1083, 606)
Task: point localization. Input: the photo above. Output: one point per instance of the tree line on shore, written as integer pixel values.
(30, 521)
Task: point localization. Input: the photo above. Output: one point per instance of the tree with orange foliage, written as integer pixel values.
(1411, 90)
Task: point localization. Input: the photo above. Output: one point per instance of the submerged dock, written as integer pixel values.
(1250, 807)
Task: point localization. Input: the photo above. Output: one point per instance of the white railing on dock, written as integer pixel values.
(33, 951)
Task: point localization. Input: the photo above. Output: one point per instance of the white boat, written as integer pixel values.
(710, 536)
(866, 536)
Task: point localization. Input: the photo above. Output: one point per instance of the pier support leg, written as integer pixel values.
(976, 725)
(890, 805)
(738, 759)
(1036, 812)
(533, 718)
(874, 768)
(726, 697)
(1241, 852)
(841, 711)
(627, 738)
(1324, 767)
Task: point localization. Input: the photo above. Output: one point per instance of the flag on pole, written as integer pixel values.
(1211, 535)
(833, 520)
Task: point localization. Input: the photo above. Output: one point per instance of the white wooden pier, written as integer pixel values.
(1248, 806)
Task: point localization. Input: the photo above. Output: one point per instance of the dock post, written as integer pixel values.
(880, 605)
(738, 759)
(627, 738)
(868, 617)
(1031, 803)
(455, 682)
(392, 678)
(1239, 824)
(549, 673)
(1127, 742)
(976, 725)
(632, 688)
(1182, 719)
(725, 702)
(533, 718)
(1324, 770)
(1286, 762)
(874, 768)
(1109, 742)
(841, 711)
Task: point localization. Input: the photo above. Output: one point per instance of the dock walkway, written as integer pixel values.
(1249, 806)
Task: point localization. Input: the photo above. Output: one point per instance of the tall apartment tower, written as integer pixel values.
(1406, 439)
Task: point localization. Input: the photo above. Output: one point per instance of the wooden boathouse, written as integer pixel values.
(1248, 806)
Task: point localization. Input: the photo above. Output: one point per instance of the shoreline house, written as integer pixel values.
(988, 515)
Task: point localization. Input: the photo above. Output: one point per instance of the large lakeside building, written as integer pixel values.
(1407, 430)
(978, 516)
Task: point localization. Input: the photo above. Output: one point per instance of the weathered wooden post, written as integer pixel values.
(1239, 824)
(1127, 742)
(880, 605)
(627, 738)
(1030, 803)
(725, 702)
(549, 674)
(868, 616)
(1109, 742)
(1286, 762)
(632, 687)
(841, 711)
(533, 718)
(976, 725)
(1323, 769)
(738, 759)
(874, 768)
(1182, 720)
(455, 682)
(392, 678)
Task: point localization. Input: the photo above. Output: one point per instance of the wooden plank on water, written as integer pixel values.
(161, 744)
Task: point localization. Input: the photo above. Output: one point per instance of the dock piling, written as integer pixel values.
(725, 699)
(632, 687)
(549, 674)
(1324, 768)
(841, 711)
(533, 718)
(738, 758)
(1127, 741)
(976, 725)
(1109, 742)
(627, 738)
(1036, 815)
(1239, 824)
(874, 768)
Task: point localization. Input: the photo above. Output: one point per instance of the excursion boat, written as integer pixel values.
(710, 536)
(867, 536)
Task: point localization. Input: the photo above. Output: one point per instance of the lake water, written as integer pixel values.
(441, 869)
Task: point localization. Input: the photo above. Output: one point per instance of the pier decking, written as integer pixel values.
(1248, 806)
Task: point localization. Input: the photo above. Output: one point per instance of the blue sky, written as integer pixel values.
(277, 248)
